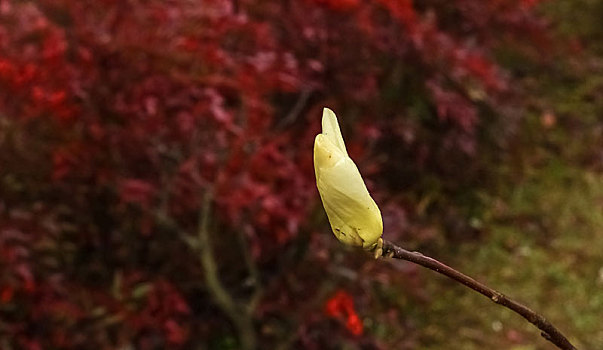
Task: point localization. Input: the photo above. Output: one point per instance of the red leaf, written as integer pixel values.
(175, 333)
(137, 191)
(341, 307)
(6, 295)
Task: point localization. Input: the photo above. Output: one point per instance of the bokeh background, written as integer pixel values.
(157, 188)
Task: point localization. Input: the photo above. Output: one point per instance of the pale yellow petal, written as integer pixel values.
(350, 209)
(326, 154)
(330, 128)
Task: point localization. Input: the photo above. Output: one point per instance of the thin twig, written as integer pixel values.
(549, 332)
(254, 274)
(240, 316)
(303, 98)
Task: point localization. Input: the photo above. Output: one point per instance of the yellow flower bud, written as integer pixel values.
(353, 214)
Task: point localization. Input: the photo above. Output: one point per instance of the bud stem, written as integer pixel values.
(549, 332)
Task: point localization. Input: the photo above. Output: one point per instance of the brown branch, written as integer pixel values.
(239, 315)
(549, 332)
(254, 274)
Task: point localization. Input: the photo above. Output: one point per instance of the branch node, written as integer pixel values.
(378, 249)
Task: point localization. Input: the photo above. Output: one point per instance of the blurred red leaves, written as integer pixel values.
(6, 295)
(340, 306)
(137, 192)
(339, 5)
(117, 116)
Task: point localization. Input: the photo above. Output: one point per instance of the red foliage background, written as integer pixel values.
(117, 116)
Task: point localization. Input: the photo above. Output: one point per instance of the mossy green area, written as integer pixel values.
(541, 239)
(544, 248)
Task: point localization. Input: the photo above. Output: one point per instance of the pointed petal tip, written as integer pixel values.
(328, 114)
(330, 128)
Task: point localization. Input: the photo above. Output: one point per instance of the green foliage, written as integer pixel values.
(543, 248)
(580, 19)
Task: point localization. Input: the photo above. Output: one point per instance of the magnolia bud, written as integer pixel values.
(353, 214)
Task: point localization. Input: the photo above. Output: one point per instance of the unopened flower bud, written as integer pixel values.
(353, 214)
